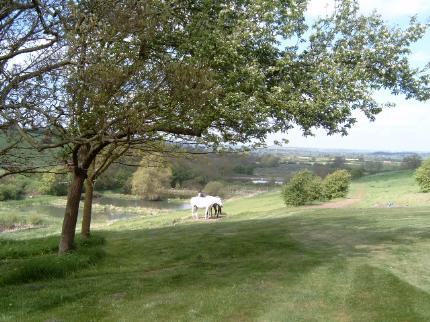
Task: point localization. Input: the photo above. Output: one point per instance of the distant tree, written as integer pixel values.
(114, 178)
(54, 183)
(336, 184)
(269, 161)
(411, 162)
(215, 188)
(11, 189)
(338, 163)
(422, 176)
(373, 166)
(356, 172)
(180, 173)
(320, 169)
(244, 169)
(151, 179)
(303, 188)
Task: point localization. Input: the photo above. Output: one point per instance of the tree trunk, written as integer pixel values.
(88, 203)
(71, 214)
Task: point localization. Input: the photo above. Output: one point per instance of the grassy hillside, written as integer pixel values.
(261, 262)
(396, 187)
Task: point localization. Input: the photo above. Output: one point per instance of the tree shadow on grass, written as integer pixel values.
(147, 262)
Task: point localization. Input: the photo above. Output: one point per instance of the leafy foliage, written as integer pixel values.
(11, 191)
(215, 188)
(303, 188)
(151, 179)
(422, 176)
(336, 184)
(411, 162)
(356, 172)
(54, 184)
(116, 177)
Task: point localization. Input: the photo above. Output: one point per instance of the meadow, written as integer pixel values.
(261, 261)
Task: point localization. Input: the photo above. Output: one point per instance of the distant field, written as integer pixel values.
(261, 262)
(398, 188)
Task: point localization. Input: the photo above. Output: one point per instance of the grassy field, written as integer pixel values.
(396, 187)
(261, 262)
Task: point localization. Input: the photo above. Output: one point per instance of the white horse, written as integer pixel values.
(203, 202)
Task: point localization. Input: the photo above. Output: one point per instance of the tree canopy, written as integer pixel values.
(422, 176)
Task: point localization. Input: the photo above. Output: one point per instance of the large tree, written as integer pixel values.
(205, 72)
(32, 52)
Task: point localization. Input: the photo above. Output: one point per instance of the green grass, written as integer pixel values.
(35, 260)
(261, 262)
(397, 187)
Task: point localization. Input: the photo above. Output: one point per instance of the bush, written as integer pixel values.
(215, 188)
(11, 191)
(36, 220)
(151, 182)
(303, 188)
(54, 184)
(196, 183)
(244, 169)
(422, 176)
(356, 173)
(336, 184)
(411, 162)
(115, 178)
(269, 161)
(13, 187)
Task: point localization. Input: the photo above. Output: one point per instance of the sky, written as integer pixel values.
(404, 127)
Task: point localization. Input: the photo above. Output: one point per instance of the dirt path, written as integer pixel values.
(342, 203)
(15, 227)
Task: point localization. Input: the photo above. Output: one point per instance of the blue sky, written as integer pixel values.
(405, 127)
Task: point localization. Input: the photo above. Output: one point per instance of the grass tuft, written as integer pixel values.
(34, 260)
(13, 249)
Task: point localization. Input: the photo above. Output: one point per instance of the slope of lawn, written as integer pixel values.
(396, 187)
(261, 262)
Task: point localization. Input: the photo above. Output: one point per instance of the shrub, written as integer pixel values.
(11, 191)
(215, 188)
(54, 184)
(196, 183)
(422, 176)
(151, 182)
(12, 188)
(303, 188)
(115, 178)
(36, 220)
(336, 184)
(127, 186)
(244, 169)
(356, 173)
(411, 162)
(269, 161)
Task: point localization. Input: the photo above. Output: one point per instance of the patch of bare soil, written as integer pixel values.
(15, 227)
(342, 203)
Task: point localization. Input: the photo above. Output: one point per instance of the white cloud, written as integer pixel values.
(395, 8)
(404, 127)
(389, 9)
(320, 8)
(420, 57)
